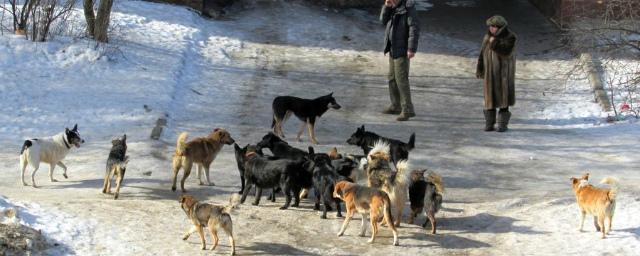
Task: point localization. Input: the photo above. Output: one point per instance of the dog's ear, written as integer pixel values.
(181, 199)
(124, 137)
(236, 147)
(216, 129)
(574, 180)
(331, 94)
(311, 151)
(585, 176)
(75, 128)
(361, 128)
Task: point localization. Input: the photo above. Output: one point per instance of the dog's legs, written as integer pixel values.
(187, 164)
(199, 168)
(346, 222)
(412, 216)
(23, 167)
(304, 124)
(312, 133)
(399, 213)
(601, 224)
(177, 164)
(245, 192)
(287, 193)
(214, 234)
(33, 175)
(231, 240)
(582, 215)
(206, 174)
(296, 199)
(106, 180)
(316, 205)
(339, 215)
(256, 200)
(595, 223)
(110, 177)
(120, 178)
(51, 167)
(192, 230)
(432, 219)
(64, 169)
(363, 227)
(201, 233)
(610, 217)
(374, 226)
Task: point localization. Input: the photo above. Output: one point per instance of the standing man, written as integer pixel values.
(497, 66)
(401, 42)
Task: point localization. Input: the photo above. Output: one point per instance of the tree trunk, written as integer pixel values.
(89, 16)
(97, 26)
(102, 21)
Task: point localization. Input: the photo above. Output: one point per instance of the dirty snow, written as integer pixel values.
(507, 194)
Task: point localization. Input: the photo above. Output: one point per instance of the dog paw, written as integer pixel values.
(173, 188)
(339, 216)
(362, 234)
(370, 241)
(24, 184)
(340, 234)
(65, 176)
(396, 243)
(54, 180)
(254, 203)
(185, 238)
(323, 217)
(283, 208)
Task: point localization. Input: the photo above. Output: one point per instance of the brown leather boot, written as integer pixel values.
(404, 116)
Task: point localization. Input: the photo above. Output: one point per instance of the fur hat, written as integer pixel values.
(497, 21)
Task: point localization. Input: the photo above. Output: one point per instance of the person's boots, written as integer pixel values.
(490, 120)
(390, 110)
(404, 116)
(503, 120)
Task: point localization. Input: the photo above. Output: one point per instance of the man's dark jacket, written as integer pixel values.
(402, 31)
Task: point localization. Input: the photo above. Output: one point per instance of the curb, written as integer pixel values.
(592, 67)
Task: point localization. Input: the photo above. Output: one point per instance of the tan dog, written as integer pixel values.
(201, 151)
(599, 202)
(365, 200)
(210, 216)
(381, 176)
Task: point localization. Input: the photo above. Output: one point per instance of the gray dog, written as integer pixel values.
(116, 165)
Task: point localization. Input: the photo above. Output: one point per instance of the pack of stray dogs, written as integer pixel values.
(334, 178)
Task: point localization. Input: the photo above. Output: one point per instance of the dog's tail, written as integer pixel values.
(404, 173)
(380, 149)
(436, 179)
(613, 183)
(181, 144)
(412, 142)
(25, 146)
(234, 203)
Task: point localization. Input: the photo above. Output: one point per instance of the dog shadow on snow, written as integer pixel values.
(259, 248)
(146, 188)
(452, 230)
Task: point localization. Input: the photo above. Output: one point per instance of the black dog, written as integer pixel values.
(280, 148)
(324, 180)
(307, 110)
(425, 194)
(240, 152)
(265, 173)
(346, 167)
(366, 140)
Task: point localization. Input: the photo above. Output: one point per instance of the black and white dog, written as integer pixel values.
(50, 150)
(307, 110)
(366, 140)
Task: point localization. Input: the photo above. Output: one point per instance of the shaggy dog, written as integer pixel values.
(599, 202)
(367, 140)
(324, 179)
(307, 110)
(201, 151)
(365, 200)
(50, 150)
(381, 176)
(116, 165)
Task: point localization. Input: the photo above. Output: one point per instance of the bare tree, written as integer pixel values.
(611, 34)
(35, 17)
(97, 26)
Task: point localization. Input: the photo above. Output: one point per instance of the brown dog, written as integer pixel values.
(365, 200)
(210, 216)
(201, 151)
(599, 202)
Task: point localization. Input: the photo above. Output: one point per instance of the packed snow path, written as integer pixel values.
(506, 194)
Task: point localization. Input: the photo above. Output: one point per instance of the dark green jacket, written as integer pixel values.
(402, 32)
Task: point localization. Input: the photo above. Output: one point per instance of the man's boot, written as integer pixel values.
(503, 120)
(490, 119)
(404, 116)
(391, 110)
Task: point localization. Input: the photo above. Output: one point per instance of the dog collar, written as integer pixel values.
(65, 142)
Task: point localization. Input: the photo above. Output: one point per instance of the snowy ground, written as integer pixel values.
(507, 194)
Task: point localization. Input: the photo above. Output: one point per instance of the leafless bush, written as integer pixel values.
(34, 18)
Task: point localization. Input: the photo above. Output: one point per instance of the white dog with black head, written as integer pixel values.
(49, 150)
